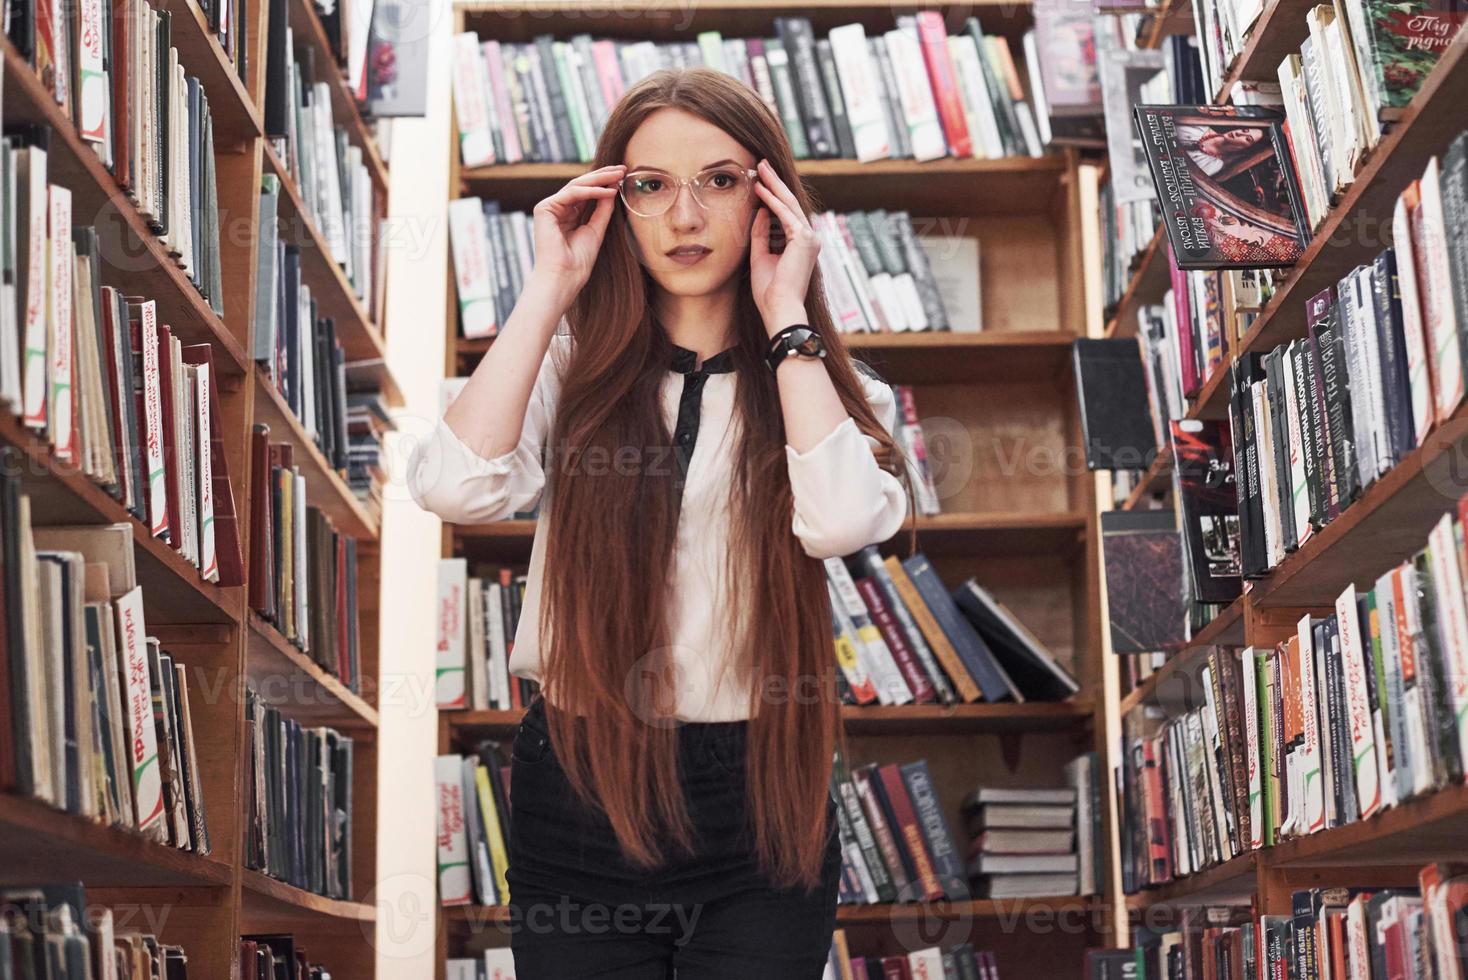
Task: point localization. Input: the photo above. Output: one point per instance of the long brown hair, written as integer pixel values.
(611, 535)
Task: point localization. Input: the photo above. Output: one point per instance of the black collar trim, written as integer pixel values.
(684, 359)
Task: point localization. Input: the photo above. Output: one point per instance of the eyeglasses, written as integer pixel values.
(649, 193)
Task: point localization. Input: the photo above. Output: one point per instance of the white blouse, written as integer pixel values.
(843, 501)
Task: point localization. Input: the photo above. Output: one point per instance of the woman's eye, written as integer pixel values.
(648, 185)
(722, 181)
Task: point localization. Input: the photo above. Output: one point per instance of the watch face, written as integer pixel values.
(807, 342)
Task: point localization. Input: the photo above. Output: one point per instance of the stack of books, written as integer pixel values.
(914, 92)
(298, 801)
(884, 271)
(55, 929)
(98, 715)
(368, 423)
(903, 637)
(1030, 842)
(473, 828)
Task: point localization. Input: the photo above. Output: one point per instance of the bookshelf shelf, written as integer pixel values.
(1157, 477)
(907, 913)
(132, 256)
(1278, 32)
(1229, 882)
(1212, 400)
(236, 117)
(313, 696)
(1175, 682)
(172, 587)
(69, 846)
(1148, 282)
(1417, 832)
(1360, 225)
(308, 28)
(947, 186)
(325, 487)
(264, 897)
(355, 330)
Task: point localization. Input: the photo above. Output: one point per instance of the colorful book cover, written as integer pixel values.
(1228, 195)
(1203, 451)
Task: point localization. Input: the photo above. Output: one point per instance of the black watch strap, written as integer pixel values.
(799, 339)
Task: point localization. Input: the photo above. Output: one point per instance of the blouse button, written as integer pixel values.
(683, 438)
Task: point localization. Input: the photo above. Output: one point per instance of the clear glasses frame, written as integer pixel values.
(692, 183)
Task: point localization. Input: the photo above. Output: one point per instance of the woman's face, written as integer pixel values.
(670, 144)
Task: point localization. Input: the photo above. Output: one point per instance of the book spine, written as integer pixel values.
(917, 680)
(449, 671)
(934, 39)
(455, 881)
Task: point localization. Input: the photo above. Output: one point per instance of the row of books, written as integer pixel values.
(915, 92)
(473, 805)
(1357, 712)
(1037, 841)
(880, 274)
(113, 392)
(298, 801)
(298, 348)
(277, 956)
(368, 423)
(97, 716)
(328, 170)
(493, 964)
(959, 962)
(903, 637)
(477, 619)
(114, 70)
(1330, 933)
(51, 930)
(303, 571)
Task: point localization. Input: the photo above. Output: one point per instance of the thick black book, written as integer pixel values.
(1298, 354)
(1454, 183)
(1227, 189)
(1279, 424)
(1391, 343)
(1029, 663)
(1203, 464)
(1111, 389)
(1322, 316)
(1142, 556)
(1252, 551)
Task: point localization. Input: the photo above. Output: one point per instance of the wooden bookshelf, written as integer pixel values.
(1148, 281)
(1022, 523)
(1387, 524)
(210, 900)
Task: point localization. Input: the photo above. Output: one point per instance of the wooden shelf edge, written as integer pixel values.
(267, 896)
(348, 514)
(355, 712)
(1189, 889)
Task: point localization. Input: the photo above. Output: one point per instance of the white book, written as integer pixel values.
(449, 667)
(926, 964)
(496, 630)
(1248, 661)
(302, 579)
(973, 92)
(208, 555)
(147, 780)
(849, 649)
(1415, 340)
(473, 270)
(461, 970)
(1338, 127)
(1399, 768)
(914, 94)
(1447, 577)
(845, 310)
(1312, 782)
(1269, 487)
(455, 884)
(499, 964)
(93, 96)
(1213, 749)
(61, 410)
(859, 88)
(153, 420)
(1355, 662)
(1437, 294)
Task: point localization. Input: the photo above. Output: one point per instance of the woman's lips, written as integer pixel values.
(688, 255)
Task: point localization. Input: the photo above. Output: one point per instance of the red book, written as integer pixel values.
(1183, 310)
(262, 524)
(227, 552)
(343, 625)
(934, 38)
(909, 833)
(917, 679)
(895, 968)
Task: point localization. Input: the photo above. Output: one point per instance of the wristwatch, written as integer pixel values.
(797, 340)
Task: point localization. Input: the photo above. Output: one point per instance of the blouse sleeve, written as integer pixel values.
(450, 479)
(844, 501)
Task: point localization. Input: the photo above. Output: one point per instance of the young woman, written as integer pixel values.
(669, 787)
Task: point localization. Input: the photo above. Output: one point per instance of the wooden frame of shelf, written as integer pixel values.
(1384, 526)
(210, 629)
(1033, 539)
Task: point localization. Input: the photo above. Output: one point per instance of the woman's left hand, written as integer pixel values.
(779, 282)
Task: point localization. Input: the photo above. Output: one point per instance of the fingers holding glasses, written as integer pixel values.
(781, 201)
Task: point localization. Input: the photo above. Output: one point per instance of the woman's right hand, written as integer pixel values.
(566, 249)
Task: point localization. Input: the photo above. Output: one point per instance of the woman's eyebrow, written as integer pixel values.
(707, 166)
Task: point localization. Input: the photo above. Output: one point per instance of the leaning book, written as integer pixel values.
(1230, 198)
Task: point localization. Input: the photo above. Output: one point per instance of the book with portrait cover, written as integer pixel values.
(1230, 198)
